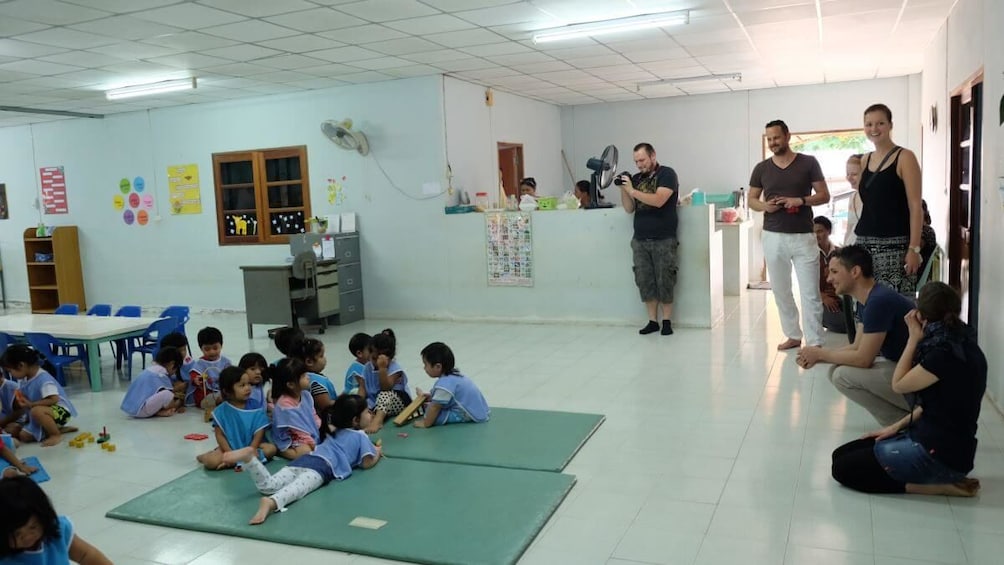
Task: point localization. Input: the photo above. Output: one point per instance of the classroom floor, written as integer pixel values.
(715, 451)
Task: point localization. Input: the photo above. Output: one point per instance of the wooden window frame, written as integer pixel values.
(262, 210)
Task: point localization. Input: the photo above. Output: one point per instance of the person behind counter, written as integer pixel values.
(528, 186)
(582, 193)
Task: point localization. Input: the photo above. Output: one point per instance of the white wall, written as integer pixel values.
(473, 130)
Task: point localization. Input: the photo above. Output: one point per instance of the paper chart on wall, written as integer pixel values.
(54, 190)
(509, 240)
(183, 189)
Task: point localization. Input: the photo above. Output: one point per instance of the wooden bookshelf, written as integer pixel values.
(59, 281)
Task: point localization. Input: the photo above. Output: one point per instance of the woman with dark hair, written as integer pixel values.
(582, 193)
(944, 373)
(528, 186)
(891, 217)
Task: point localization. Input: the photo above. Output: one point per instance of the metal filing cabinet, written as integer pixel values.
(350, 278)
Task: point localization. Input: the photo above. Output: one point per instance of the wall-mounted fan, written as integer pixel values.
(344, 136)
(603, 174)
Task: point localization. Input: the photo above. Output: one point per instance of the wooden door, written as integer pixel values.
(510, 166)
(965, 172)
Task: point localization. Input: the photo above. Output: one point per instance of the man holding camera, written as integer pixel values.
(791, 184)
(652, 196)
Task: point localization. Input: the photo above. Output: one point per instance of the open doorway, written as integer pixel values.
(510, 166)
(965, 173)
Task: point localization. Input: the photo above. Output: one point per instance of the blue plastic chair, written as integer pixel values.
(179, 313)
(67, 310)
(5, 341)
(48, 346)
(96, 310)
(119, 346)
(149, 343)
(100, 310)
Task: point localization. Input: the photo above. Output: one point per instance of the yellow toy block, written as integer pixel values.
(90, 439)
(411, 411)
(109, 447)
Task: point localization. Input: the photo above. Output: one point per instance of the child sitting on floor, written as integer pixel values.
(235, 425)
(15, 466)
(10, 413)
(385, 384)
(294, 421)
(157, 391)
(31, 532)
(45, 402)
(311, 352)
(454, 398)
(343, 447)
(359, 346)
(254, 364)
(284, 339)
(204, 373)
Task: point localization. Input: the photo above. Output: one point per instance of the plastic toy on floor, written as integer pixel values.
(104, 436)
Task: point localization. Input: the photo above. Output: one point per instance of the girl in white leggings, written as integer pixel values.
(343, 447)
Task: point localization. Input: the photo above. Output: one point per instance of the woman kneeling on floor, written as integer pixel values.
(944, 373)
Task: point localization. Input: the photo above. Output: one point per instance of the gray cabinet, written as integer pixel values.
(350, 279)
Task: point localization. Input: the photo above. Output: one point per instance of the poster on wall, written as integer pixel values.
(4, 214)
(54, 190)
(510, 248)
(183, 189)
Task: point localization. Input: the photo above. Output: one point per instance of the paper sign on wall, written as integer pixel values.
(183, 189)
(54, 190)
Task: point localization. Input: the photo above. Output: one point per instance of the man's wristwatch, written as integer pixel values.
(915, 249)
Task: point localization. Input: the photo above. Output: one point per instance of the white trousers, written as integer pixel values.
(782, 251)
(288, 485)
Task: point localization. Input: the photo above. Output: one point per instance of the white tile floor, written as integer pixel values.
(715, 451)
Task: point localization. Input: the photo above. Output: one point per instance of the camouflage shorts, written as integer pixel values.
(656, 263)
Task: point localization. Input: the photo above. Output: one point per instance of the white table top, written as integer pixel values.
(72, 327)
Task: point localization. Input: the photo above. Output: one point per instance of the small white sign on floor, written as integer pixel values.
(368, 523)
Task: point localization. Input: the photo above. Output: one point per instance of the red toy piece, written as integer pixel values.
(197, 437)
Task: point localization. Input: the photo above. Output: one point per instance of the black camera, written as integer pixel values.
(618, 180)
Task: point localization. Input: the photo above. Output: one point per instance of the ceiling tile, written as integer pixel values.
(466, 38)
(412, 71)
(121, 6)
(35, 67)
(460, 5)
(387, 10)
(320, 19)
(330, 70)
(598, 61)
(740, 47)
(190, 41)
(437, 56)
(125, 27)
(567, 77)
(543, 67)
(778, 15)
(856, 7)
(365, 76)
(520, 12)
(289, 62)
(301, 43)
(317, 83)
(68, 38)
(82, 59)
(189, 16)
(589, 50)
(621, 72)
(24, 49)
(496, 49)
(134, 50)
(520, 58)
(283, 76)
(345, 54)
(242, 52)
(49, 12)
(250, 31)
(13, 26)
(361, 35)
(239, 69)
(380, 64)
(258, 8)
(189, 61)
(484, 74)
(403, 46)
(91, 76)
(649, 56)
(470, 64)
(439, 23)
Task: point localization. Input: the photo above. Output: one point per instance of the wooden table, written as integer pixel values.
(87, 330)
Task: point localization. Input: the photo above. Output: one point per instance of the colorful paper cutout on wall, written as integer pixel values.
(142, 217)
(124, 186)
(54, 190)
(138, 184)
(128, 217)
(286, 223)
(133, 200)
(118, 202)
(336, 191)
(147, 201)
(183, 189)
(242, 224)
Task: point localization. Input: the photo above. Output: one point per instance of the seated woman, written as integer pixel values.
(582, 193)
(528, 186)
(930, 450)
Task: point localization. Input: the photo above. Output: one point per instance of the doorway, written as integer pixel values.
(964, 193)
(510, 167)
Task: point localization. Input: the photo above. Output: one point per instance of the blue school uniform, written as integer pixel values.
(210, 370)
(32, 389)
(239, 426)
(52, 551)
(7, 390)
(356, 369)
(372, 379)
(337, 455)
(461, 400)
(151, 381)
(257, 398)
(300, 418)
(324, 382)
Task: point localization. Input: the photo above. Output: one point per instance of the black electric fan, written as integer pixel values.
(603, 169)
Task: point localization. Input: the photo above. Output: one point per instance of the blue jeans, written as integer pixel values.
(909, 462)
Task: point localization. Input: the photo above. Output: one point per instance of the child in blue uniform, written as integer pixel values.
(204, 373)
(359, 347)
(343, 447)
(311, 352)
(156, 391)
(254, 364)
(11, 466)
(10, 412)
(31, 532)
(236, 425)
(385, 384)
(294, 421)
(45, 402)
(284, 339)
(454, 398)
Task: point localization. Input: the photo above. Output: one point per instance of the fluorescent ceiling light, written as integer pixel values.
(151, 88)
(702, 78)
(618, 25)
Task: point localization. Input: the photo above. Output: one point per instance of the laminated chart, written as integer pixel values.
(510, 248)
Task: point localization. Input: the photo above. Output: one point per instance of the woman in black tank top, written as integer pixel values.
(891, 217)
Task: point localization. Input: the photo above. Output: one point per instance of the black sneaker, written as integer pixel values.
(667, 327)
(650, 328)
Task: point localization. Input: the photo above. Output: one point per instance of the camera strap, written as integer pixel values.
(895, 150)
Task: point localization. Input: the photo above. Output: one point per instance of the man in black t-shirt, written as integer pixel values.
(652, 196)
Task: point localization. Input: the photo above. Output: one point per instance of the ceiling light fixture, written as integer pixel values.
(151, 88)
(683, 80)
(617, 25)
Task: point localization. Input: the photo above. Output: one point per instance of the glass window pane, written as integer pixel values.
(286, 168)
(239, 172)
(238, 198)
(286, 223)
(285, 196)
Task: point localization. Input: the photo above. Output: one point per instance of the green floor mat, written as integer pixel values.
(540, 440)
(435, 512)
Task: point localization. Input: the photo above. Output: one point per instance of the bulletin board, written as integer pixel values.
(509, 238)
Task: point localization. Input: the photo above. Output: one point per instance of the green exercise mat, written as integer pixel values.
(438, 513)
(541, 440)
